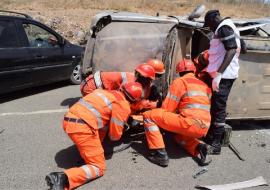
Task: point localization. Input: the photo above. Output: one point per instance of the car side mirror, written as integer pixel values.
(197, 12)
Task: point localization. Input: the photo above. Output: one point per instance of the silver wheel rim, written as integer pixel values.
(76, 73)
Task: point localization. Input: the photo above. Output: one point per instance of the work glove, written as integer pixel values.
(215, 82)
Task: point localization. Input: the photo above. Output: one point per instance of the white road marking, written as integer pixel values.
(265, 131)
(33, 112)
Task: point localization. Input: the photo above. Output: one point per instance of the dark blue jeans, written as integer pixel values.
(218, 106)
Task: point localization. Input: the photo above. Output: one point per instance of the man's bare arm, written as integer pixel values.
(227, 60)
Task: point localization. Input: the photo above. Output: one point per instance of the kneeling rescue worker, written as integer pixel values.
(113, 80)
(83, 123)
(185, 112)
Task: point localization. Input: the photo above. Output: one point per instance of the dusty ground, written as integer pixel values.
(72, 18)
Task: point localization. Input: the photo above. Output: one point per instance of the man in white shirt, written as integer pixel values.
(223, 68)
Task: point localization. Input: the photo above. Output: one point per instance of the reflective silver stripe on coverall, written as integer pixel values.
(97, 79)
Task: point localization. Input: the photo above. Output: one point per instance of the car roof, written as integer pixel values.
(14, 15)
(183, 20)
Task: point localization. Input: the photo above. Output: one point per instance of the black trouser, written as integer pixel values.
(218, 107)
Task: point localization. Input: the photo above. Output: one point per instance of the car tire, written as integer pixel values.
(76, 76)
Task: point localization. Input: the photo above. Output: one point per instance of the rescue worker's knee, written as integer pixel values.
(98, 161)
(101, 172)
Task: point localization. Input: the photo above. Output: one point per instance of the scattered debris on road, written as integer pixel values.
(2, 131)
(202, 171)
(236, 152)
(258, 181)
(263, 145)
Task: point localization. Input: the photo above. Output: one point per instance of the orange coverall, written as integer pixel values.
(105, 80)
(93, 114)
(190, 98)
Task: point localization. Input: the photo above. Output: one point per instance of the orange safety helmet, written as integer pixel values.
(146, 71)
(185, 65)
(157, 65)
(201, 61)
(133, 90)
(203, 58)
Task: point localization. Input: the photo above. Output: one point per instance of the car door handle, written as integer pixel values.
(40, 56)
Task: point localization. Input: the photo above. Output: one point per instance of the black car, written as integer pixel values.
(33, 54)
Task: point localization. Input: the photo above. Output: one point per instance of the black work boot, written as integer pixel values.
(214, 138)
(215, 148)
(159, 157)
(57, 180)
(202, 159)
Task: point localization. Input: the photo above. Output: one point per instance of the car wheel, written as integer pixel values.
(76, 77)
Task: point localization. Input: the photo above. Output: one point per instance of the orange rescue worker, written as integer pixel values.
(83, 123)
(156, 91)
(105, 80)
(201, 62)
(113, 80)
(152, 89)
(144, 74)
(185, 112)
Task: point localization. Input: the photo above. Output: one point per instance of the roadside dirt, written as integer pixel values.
(71, 18)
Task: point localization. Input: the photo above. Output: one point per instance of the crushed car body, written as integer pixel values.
(121, 40)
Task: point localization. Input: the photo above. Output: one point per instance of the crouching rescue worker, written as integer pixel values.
(83, 123)
(113, 80)
(105, 80)
(185, 112)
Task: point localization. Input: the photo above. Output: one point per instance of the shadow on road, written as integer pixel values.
(174, 151)
(70, 101)
(68, 158)
(249, 124)
(31, 91)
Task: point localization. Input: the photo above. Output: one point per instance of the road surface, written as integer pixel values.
(33, 144)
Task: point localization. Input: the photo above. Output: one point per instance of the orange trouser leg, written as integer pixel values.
(90, 148)
(153, 136)
(189, 143)
(103, 132)
(174, 123)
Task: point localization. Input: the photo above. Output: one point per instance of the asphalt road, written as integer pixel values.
(33, 144)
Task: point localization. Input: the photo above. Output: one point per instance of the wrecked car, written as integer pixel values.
(121, 40)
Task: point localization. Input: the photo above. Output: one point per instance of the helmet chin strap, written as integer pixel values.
(128, 97)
